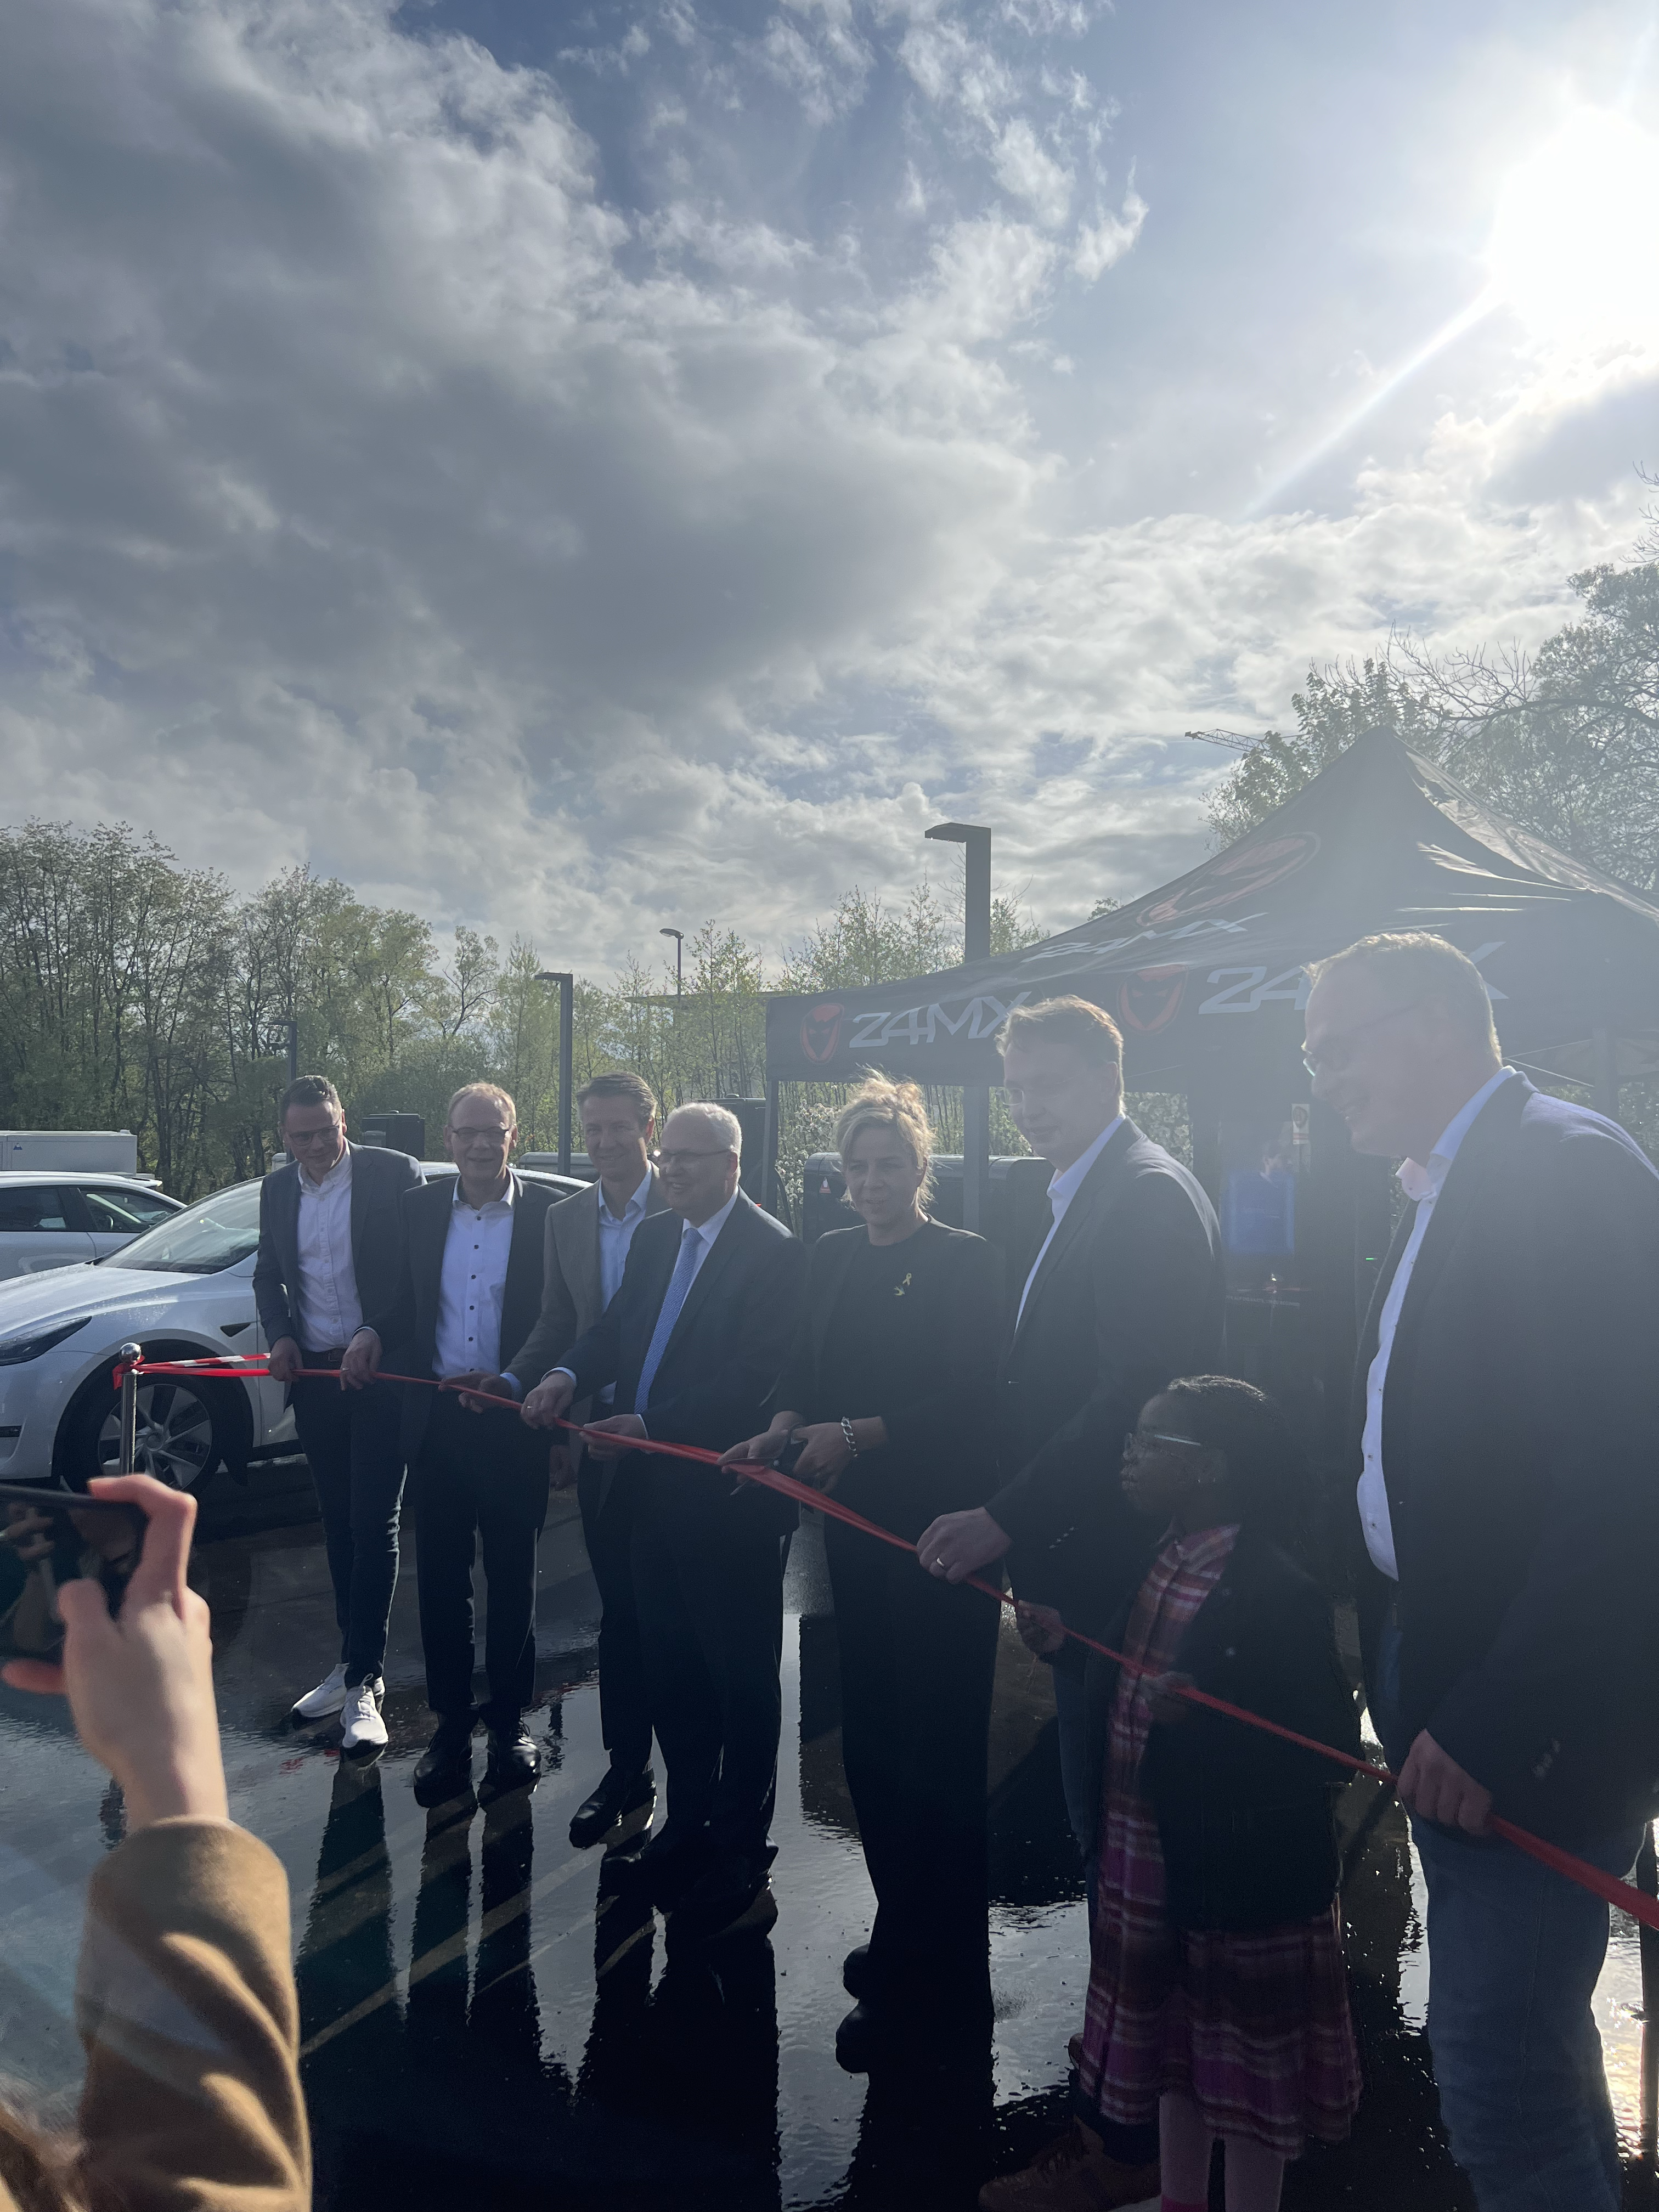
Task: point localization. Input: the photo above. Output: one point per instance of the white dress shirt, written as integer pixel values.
(617, 1234)
(325, 1303)
(473, 1284)
(1424, 1185)
(1063, 1188)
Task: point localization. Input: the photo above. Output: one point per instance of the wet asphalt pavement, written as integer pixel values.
(484, 2022)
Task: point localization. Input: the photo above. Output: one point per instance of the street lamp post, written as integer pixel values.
(567, 984)
(678, 936)
(975, 945)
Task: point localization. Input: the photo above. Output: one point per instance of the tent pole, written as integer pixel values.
(976, 1156)
(1604, 1091)
(769, 1149)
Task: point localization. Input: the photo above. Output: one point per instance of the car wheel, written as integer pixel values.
(178, 1439)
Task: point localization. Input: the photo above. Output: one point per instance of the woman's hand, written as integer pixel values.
(1041, 1628)
(765, 1447)
(140, 1684)
(1159, 1690)
(824, 1452)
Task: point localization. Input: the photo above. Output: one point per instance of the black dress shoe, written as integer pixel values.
(617, 1797)
(857, 1975)
(669, 1865)
(444, 1769)
(730, 1896)
(862, 2039)
(514, 1761)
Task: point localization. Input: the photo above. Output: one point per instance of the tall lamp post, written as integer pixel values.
(678, 936)
(567, 984)
(975, 945)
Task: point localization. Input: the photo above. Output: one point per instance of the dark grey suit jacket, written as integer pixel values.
(729, 1344)
(379, 1179)
(572, 1297)
(1130, 1294)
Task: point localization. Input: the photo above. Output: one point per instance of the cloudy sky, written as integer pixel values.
(574, 468)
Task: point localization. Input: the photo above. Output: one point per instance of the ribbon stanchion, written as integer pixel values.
(229, 1367)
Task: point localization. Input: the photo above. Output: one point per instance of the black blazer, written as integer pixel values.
(408, 1327)
(1246, 1822)
(1130, 1295)
(1521, 1452)
(940, 1455)
(379, 1179)
(729, 1344)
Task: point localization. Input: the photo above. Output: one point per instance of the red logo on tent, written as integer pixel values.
(1151, 999)
(1237, 875)
(820, 1033)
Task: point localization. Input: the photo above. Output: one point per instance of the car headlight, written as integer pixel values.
(15, 1350)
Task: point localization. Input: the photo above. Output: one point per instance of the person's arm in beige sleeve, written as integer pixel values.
(185, 1999)
(555, 1330)
(185, 2004)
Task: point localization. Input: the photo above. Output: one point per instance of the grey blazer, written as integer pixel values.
(572, 1300)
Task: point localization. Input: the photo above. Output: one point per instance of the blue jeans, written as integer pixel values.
(1515, 1952)
(1072, 1713)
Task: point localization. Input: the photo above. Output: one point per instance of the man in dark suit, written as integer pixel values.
(1505, 1437)
(1125, 1291)
(588, 1240)
(468, 1292)
(693, 1342)
(329, 1251)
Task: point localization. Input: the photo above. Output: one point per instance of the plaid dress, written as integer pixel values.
(1252, 2027)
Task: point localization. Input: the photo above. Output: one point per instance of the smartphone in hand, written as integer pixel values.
(50, 1537)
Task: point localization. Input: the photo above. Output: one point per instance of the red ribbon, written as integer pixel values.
(1623, 1894)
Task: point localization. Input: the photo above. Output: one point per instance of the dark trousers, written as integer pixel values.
(708, 1576)
(479, 1484)
(918, 1662)
(608, 1512)
(352, 1439)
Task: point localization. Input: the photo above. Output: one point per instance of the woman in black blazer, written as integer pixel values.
(886, 1396)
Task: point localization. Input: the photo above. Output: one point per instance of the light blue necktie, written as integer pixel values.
(679, 1287)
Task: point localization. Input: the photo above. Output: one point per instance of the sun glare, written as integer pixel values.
(1575, 245)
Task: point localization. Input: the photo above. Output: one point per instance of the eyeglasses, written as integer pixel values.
(1136, 1442)
(678, 1159)
(496, 1137)
(299, 1138)
(1338, 1053)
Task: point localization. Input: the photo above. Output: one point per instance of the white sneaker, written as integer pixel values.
(363, 1728)
(327, 1697)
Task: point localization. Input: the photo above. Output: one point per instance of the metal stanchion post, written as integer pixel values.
(1647, 1879)
(129, 1355)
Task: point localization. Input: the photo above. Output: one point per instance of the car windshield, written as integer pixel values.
(214, 1234)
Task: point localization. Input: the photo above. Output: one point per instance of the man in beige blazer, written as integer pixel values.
(587, 1241)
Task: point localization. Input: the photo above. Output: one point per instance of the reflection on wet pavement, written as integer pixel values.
(488, 2016)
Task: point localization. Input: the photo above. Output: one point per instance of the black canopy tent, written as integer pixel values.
(1205, 978)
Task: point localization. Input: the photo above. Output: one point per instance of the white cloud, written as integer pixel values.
(1024, 168)
(376, 492)
(1101, 244)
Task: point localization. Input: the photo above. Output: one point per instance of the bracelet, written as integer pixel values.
(847, 1430)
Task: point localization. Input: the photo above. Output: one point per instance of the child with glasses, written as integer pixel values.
(1217, 1995)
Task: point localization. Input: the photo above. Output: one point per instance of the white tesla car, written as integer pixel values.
(182, 1290)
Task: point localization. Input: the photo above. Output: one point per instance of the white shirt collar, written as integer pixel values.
(1066, 1182)
(1417, 1181)
(636, 1203)
(491, 1205)
(709, 1230)
(339, 1173)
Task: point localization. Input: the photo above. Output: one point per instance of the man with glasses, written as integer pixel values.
(692, 1344)
(468, 1292)
(1505, 1433)
(329, 1249)
(588, 1240)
